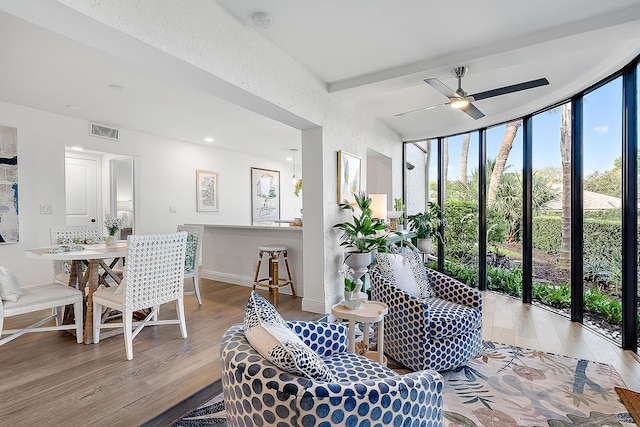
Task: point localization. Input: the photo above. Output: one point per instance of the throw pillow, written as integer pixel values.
(269, 334)
(190, 253)
(407, 272)
(9, 287)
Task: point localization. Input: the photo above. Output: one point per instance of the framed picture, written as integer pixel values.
(206, 191)
(265, 195)
(348, 176)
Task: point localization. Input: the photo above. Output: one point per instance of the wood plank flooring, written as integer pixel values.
(48, 379)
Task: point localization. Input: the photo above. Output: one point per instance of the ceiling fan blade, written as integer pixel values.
(509, 89)
(442, 88)
(471, 110)
(420, 109)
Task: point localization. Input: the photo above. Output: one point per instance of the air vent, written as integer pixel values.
(102, 131)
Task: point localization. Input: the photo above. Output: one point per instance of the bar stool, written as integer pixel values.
(273, 282)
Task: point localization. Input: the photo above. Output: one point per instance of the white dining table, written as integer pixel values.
(94, 257)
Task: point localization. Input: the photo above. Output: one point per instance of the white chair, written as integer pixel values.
(193, 258)
(42, 297)
(67, 235)
(155, 276)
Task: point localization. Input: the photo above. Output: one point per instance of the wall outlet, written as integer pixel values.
(172, 209)
(46, 208)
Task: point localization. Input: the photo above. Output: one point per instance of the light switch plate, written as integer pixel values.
(172, 209)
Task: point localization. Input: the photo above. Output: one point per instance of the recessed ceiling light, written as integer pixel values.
(261, 20)
(208, 139)
(118, 88)
(74, 107)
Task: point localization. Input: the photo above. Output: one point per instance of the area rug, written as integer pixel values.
(509, 386)
(631, 400)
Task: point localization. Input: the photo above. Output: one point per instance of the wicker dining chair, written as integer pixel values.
(70, 234)
(155, 276)
(193, 257)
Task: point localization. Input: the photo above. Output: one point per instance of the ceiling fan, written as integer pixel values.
(462, 101)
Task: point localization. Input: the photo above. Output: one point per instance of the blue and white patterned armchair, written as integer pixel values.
(257, 393)
(430, 333)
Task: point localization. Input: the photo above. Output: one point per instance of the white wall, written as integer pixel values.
(246, 69)
(165, 174)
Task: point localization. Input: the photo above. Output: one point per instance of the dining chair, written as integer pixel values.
(193, 257)
(30, 299)
(155, 276)
(65, 235)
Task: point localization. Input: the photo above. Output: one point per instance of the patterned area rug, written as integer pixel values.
(509, 386)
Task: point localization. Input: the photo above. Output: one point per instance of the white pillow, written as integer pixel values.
(407, 272)
(9, 287)
(269, 335)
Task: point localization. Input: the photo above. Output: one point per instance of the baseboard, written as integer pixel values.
(313, 306)
(236, 279)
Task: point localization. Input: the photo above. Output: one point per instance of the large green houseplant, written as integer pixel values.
(426, 225)
(360, 235)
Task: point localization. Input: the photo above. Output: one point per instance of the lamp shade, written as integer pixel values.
(379, 206)
(125, 205)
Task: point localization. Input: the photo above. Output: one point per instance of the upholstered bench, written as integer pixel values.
(257, 392)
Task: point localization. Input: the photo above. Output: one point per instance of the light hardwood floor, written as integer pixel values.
(48, 379)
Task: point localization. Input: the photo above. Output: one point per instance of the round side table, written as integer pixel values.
(368, 312)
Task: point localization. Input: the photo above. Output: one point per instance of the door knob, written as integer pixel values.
(93, 220)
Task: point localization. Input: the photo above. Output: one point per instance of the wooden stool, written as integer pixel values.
(273, 282)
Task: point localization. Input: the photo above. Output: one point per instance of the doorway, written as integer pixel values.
(98, 183)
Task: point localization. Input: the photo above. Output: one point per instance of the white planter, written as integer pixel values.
(348, 296)
(358, 260)
(424, 245)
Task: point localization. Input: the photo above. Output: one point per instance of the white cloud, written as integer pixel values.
(601, 130)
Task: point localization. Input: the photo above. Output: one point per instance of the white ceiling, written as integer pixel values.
(373, 53)
(377, 53)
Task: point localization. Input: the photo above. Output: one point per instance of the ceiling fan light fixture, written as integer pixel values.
(459, 103)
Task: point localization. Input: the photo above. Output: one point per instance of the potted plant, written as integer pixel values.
(426, 225)
(398, 206)
(360, 235)
(113, 225)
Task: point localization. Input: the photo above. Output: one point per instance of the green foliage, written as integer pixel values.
(547, 233)
(426, 224)
(360, 235)
(602, 238)
(558, 296)
(462, 237)
(398, 206)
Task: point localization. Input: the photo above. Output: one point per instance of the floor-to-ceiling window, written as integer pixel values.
(461, 179)
(570, 172)
(504, 208)
(602, 206)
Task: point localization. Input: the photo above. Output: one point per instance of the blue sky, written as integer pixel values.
(602, 136)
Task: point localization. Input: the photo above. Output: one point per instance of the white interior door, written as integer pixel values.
(82, 190)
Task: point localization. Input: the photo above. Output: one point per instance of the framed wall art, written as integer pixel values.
(9, 225)
(206, 191)
(349, 171)
(265, 195)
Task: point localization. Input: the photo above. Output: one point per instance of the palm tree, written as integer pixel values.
(564, 261)
(501, 159)
(464, 158)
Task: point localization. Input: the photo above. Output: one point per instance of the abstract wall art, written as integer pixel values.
(9, 230)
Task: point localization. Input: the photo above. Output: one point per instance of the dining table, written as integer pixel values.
(100, 261)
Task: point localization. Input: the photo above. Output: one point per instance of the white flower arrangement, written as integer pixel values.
(113, 224)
